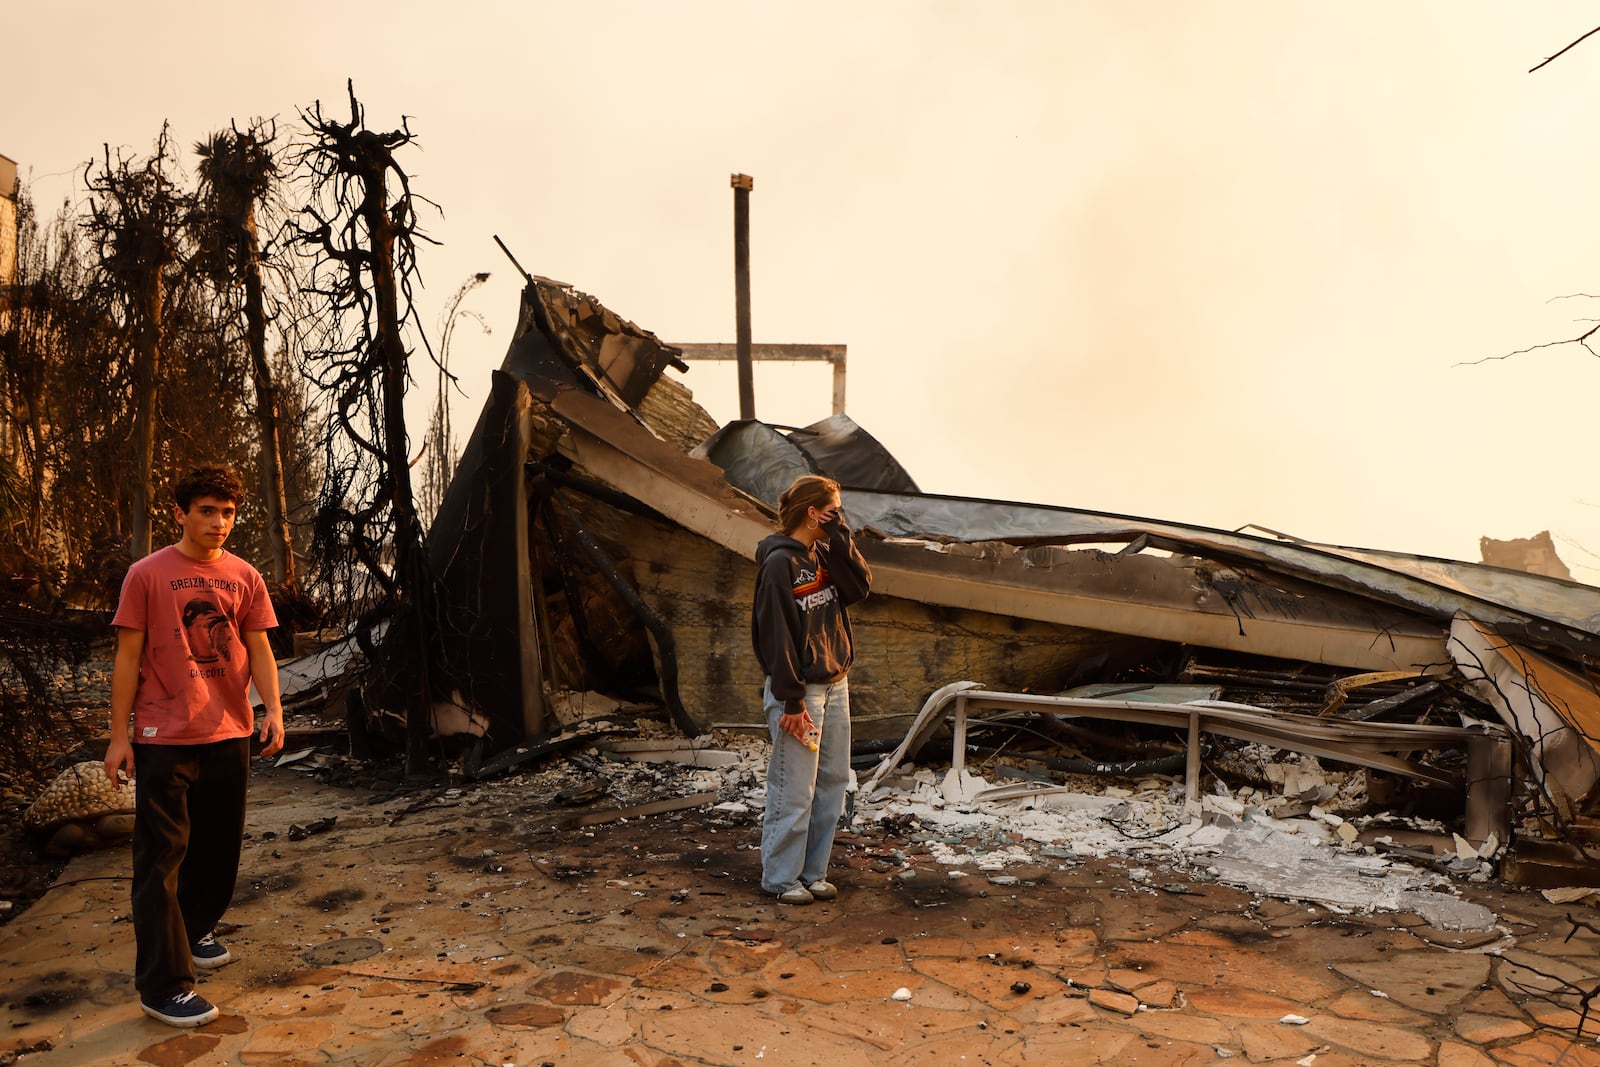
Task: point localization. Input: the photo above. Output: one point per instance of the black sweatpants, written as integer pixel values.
(188, 829)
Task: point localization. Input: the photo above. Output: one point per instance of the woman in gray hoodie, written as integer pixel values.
(805, 577)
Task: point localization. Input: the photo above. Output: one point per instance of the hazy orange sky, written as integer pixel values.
(1211, 263)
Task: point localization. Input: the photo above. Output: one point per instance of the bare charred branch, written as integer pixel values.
(1552, 58)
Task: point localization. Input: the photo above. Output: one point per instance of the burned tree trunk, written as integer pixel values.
(371, 168)
(267, 412)
(367, 517)
(146, 373)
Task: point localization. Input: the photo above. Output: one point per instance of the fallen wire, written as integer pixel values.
(91, 878)
(425, 804)
(1118, 827)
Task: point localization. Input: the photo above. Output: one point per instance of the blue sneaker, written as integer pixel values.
(208, 952)
(185, 1009)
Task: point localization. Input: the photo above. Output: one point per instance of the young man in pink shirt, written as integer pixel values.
(192, 628)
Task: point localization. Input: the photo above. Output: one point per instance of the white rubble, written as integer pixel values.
(1311, 857)
(977, 827)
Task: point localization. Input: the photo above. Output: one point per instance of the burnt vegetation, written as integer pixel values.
(252, 308)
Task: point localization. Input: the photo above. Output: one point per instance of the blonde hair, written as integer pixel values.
(808, 491)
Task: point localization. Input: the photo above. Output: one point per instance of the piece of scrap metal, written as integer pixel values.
(654, 807)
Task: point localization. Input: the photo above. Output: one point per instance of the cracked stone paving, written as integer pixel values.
(479, 925)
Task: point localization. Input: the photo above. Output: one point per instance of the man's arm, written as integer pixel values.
(124, 685)
(264, 673)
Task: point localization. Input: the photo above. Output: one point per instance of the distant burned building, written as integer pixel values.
(8, 267)
(8, 222)
(1531, 555)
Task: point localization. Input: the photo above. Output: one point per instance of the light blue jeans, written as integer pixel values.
(805, 789)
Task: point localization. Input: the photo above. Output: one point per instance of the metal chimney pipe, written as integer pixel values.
(742, 184)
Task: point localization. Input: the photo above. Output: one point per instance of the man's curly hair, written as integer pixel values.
(221, 482)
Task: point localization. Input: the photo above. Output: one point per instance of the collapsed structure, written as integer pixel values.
(596, 546)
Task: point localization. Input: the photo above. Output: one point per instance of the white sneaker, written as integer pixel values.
(797, 894)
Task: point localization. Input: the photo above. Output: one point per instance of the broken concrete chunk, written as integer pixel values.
(1570, 894)
(1210, 835)
(1297, 779)
(1309, 828)
(1448, 913)
(1324, 816)
(960, 787)
(1225, 805)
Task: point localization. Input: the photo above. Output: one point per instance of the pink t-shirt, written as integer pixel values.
(194, 676)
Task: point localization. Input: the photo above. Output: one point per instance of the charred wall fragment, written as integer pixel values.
(703, 591)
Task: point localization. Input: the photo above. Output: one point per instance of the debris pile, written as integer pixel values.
(1303, 833)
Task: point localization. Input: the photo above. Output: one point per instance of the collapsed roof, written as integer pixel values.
(600, 532)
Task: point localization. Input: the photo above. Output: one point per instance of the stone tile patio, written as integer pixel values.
(464, 933)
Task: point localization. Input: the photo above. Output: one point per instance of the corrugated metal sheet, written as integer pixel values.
(1547, 608)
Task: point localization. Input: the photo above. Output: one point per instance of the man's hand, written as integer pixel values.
(264, 673)
(124, 686)
(271, 733)
(119, 757)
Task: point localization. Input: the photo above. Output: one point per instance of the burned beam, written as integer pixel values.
(1377, 709)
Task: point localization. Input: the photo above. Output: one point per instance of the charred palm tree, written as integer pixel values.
(238, 177)
(136, 216)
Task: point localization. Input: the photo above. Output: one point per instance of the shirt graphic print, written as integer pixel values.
(208, 629)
